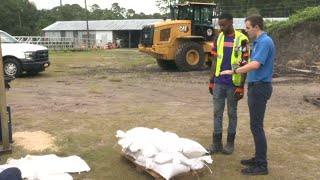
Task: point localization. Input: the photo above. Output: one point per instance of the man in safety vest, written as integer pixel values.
(230, 49)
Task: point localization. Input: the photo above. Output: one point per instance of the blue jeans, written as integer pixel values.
(258, 95)
(220, 94)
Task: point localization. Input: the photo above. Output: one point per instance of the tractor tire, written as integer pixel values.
(12, 67)
(189, 57)
(166, 64)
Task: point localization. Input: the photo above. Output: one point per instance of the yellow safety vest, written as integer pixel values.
(235, 57)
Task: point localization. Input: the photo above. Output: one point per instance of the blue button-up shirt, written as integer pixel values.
(264, 53)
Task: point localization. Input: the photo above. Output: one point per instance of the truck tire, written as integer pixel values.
(12, 67)
(166, 64)
(189, 56)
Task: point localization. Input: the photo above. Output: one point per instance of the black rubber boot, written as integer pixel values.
(229, 148)
(217, 144)
(248, 162)
(255, 170)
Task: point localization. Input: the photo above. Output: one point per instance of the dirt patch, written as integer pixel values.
(298, 46)
(34, 141)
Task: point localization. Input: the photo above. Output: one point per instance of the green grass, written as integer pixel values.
(310, 14)
(95, 89)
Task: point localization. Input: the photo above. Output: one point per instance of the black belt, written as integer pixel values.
(258, 82)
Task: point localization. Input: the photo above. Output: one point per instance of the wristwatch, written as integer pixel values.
(234, 70)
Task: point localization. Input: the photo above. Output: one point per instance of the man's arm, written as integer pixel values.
(213, 57)
(244, 75)
(244, 69)
(213, 67)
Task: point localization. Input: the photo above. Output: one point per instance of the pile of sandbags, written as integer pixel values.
(47, 167)
(163, 152)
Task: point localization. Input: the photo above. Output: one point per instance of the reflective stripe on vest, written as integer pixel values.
(235, 56)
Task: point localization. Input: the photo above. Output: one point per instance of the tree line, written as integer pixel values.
(243, 8)
(21, 17)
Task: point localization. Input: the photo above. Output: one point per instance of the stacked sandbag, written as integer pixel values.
(163, 152)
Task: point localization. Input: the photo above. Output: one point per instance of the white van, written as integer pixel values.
(20, 57)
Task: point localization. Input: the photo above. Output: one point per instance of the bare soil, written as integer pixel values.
(298, 48)
(34, 141)
(83, 98)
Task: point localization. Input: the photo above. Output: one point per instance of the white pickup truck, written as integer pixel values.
(21, 57)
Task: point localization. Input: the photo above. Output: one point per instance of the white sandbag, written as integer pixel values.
(169, 170)
(120, 134)
(32, 167)
(173, 140)
(125, 143)
(148, 150)
(206, 159)
(138, 131)
(135, 155)
(167, 141)
(193, 164)
(136, 139)
(60, 176)
(157, 131)
(192, 149)
(144, 161)
(164, 157)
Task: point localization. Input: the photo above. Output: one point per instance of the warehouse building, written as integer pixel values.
(102, 31)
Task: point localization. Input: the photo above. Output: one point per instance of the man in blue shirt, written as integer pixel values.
(259, 91)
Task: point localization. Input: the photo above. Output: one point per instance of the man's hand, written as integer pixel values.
(211, 86)
(230, 72)
(242, 62)
(238, 93)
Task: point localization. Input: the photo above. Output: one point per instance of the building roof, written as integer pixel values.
(103, 25)
(238, 23)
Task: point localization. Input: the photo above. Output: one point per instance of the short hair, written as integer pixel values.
(255, 20)
(226, 16)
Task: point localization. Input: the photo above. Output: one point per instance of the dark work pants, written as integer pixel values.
(258, 95)
(11, 174)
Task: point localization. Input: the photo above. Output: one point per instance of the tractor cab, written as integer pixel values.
(200, 14)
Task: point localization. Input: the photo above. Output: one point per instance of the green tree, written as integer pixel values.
(130, 14)
(253, 11)
(157, 16)
(118, 12)
(164, 5)
(18, 17)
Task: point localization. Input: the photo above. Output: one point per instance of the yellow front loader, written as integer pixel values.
(184, 42)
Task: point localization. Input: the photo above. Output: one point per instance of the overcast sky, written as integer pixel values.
(145, 6)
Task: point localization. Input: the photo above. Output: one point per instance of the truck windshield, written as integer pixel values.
(7, 38)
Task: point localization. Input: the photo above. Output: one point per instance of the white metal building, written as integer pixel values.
(103, 31)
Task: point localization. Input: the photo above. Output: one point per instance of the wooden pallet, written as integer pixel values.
(313, 100)
(157, 176)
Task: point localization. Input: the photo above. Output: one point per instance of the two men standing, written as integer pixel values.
(260, 69)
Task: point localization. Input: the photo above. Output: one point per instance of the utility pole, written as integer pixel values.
(3, 111)
(60, 2)
(85, 3)
(19, 13)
